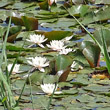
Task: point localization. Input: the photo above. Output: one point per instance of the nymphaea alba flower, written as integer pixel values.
(49, 88)
(67, 38)
(73, 65)
(50, 2)
(39, 63)
(56, 45)
(65, 51)
(15, 69)
(15, 14)
(37, 39)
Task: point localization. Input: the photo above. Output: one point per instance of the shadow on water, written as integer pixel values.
(79, 40)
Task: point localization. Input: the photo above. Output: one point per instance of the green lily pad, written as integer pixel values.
(57, 35)
(97, 88)
(30, 23)
(92, 54)
(106, 32)
(62, 62)
(12, 47)
(13, 32)
(78, 10)
(70, 91)
(44, 5)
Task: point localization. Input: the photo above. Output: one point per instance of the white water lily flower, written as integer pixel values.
(67, 38)
(80, 67)
(39, 63)
(37, 39)
(56, 45)
(14, 14)
(73, 65)
(65, 51)
(60, 72)
(15, 69)
(52, 1)
(49, 88)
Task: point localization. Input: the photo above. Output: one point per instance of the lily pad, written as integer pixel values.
(92, 54)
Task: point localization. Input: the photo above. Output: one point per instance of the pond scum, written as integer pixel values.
(49, 58)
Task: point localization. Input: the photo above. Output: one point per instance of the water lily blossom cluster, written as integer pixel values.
(49, 88)
(39, 63)
(37, 39)
(15, 69)
(56, 45)
(65, 51)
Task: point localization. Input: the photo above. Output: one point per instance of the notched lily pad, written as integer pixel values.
(57, 35)
(14, 31)
(105, 32)
(30, 23)
(97, 88)
(70, 91)
(91, 52)
(78, 10)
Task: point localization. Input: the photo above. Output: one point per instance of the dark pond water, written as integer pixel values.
(44, 28)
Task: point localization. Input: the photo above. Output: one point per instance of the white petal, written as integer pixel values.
(41, 45)
(60, 72)
(58, 92)
(41, 69)
(30, 62)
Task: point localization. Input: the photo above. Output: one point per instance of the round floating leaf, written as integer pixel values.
(57, 35)
(44, 5)
(106, 34)
(17, 21)
(62, 62)
(70, 91)
(50, 79)
(12, 47)
(30, 23)
(14, 31)
(84, 44)
(85, 98)
(5, 3)
(97, 88)
(78, 10)
(36, 77)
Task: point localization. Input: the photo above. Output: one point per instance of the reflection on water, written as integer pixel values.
(80, 40)
(94, 108)
(102, 63)
(44, 28)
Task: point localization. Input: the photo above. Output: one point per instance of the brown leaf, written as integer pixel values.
(64, 75)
